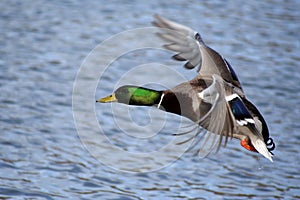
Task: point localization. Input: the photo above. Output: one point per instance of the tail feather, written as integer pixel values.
(261, 147)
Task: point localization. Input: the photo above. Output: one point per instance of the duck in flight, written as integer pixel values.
(213, 100)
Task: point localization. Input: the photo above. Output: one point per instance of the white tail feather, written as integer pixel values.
(261, 147)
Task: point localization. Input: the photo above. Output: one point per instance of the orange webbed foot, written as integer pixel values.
(247, 145)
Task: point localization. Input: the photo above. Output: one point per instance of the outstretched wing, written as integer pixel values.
(181, 40)
(218, 122)
(190, 47)
(219, 119)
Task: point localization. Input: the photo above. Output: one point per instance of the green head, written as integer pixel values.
(133, 95)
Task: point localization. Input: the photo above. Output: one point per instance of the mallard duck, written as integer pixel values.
(214, 99)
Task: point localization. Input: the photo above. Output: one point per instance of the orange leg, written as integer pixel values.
(247, 145)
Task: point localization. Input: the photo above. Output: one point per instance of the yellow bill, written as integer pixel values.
(110, 98)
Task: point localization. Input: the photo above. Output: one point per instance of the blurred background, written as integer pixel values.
(42, 46)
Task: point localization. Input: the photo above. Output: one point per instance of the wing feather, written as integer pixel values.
(190, 47)
(217, 122)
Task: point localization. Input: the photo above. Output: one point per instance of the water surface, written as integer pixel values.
(43, 43)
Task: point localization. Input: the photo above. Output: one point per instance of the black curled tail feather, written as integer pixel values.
(270, 145)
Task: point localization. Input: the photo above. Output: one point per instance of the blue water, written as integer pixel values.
(44, 43)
